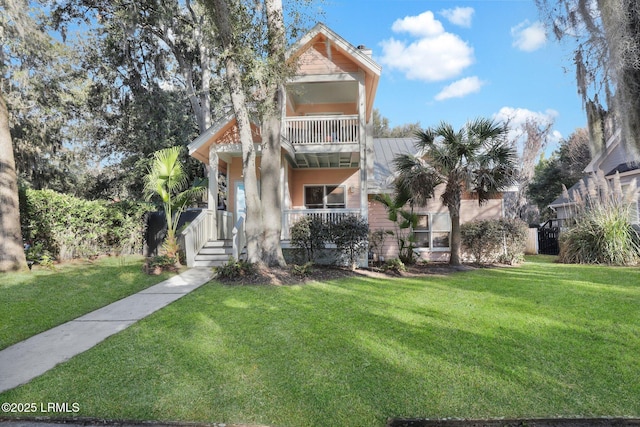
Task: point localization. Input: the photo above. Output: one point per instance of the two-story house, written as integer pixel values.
(327, 145)
(331, 167)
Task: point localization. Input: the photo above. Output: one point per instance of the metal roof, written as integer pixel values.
(384, 151)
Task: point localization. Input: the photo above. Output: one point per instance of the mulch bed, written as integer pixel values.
(288, 275)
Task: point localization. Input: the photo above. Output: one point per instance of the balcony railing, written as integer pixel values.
(291, 216)
(322, 129)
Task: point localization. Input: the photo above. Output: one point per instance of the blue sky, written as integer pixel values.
(457, 60)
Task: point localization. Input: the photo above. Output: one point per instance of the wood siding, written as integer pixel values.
(470, 210)
(323, 58)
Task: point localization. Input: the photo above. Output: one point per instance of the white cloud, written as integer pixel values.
(435, 55)
(423, 25)
(459, 16)
(517, 117)
(460, 88)
(529, 37)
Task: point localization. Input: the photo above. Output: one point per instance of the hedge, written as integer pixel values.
(68, 227)
(494, 240)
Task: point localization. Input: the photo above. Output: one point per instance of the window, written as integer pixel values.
(433, 231)
(324, 196)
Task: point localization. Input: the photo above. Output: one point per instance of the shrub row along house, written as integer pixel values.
(332, 165)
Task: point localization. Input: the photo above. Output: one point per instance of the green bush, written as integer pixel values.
(67, 227)
(603, 234)
(235, 269)
(494, 240)
(303, 270)
(396, 265)
(311, 234)
(351, 236)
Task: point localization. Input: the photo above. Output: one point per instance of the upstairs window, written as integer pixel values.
(324, 196)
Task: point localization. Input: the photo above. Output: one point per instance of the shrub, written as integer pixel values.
(482, 239)
(395, 265)
(68, 227)
(235, 269)
(302, 270)
(376, 242)
(495, 240)
(601, 235)
(158, 264)
(514, 233)
(311, 234)
(601, 232)
(350, 234)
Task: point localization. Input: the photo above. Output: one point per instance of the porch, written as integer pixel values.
(212, 237)
(327, 216)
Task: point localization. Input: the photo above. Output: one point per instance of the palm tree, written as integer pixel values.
(166, 178)
(476, 159)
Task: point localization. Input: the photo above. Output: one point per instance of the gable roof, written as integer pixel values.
(357, 55)
(320, 29)
(624, 168)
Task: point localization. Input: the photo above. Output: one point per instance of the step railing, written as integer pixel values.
(196, 235)
(201, 230)
(239, 239)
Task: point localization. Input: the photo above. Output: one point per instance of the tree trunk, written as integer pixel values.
(455, 238)
(253, 224)
(271, 134)
(11, 246)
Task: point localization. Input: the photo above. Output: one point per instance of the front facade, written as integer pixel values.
(331, 164)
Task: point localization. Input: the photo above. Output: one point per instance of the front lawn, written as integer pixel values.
(34, 301)
(541, 340)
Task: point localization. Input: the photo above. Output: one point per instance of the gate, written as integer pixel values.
(548, 235)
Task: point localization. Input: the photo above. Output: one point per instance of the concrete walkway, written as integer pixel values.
(31, 358)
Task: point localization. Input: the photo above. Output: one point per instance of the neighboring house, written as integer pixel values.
(613, 160)
(331, 165)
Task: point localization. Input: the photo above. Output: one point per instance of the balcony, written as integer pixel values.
(324, 130)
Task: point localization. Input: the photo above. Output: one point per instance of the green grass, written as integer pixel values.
(541, 340)
(34, 301)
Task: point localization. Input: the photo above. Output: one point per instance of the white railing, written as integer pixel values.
(239, 240)
(197, 233)
(225, 225)
(322, 129)
(201, 230)
(291, 216)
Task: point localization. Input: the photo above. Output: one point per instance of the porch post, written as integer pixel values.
(366, 132)
(213, 193)
(284, 193)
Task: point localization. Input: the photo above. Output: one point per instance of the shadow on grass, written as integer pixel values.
(36, 301)
(354, 352)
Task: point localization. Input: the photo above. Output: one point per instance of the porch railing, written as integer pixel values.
(291, 216)
(322, 129)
